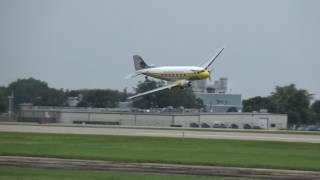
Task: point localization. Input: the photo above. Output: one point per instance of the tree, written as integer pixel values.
(101, 98)
(316, 106)
(316, 109)
(294, 102)
(257, 103)
(73, 93)
(51, 97)
(149, 100)
(232, 109)
(3, 100)
(170, 97)
(285, 100)
(36, 92)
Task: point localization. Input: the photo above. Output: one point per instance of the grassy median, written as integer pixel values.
(304, 156)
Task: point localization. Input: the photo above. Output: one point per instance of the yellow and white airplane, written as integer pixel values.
(177, 76)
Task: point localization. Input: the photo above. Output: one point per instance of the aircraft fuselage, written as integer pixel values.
(173, 73)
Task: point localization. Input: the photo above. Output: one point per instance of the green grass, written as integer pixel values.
(304, 156)
(11, 173)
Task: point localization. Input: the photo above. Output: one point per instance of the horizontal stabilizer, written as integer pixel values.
(133, 75)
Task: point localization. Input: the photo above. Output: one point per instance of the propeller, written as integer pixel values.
(210, 70)
(189, 84)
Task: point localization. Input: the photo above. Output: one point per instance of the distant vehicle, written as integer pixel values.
(176, 125)
(205, 125)
(256, 127)
(219, 124)
(167, 109)
(194, 125)
(223, 126)
(234, 126)
(311, 128)
(177, 76)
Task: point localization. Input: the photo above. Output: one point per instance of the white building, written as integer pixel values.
(215, 96)
(186, 120)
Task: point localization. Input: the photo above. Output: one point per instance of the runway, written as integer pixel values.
(312, 138)
(166, 169)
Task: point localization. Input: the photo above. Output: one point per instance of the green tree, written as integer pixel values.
(232, 109)
(316, 109)
(149, 100)
(294, 102)
(36, 92)
(3, 100)
(285, 100)
(73, 93)
(257, 103)
(51, 97)
(101, 98)
(170, 97)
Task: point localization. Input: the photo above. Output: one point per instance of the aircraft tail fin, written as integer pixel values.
(139, 63)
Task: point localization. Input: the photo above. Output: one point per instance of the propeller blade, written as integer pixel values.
(210, 74)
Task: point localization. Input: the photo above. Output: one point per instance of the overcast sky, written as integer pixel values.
(75, 44)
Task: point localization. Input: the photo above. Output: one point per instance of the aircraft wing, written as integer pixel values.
(208, 64)
(154, 90)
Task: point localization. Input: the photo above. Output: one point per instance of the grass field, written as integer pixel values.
(11, 173)
(304, 156)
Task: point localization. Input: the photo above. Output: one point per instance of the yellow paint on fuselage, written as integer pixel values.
(195, 75)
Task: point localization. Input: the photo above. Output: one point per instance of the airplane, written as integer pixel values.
(176, 76)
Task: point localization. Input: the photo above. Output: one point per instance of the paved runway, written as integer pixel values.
(167, 169)
(161, 133)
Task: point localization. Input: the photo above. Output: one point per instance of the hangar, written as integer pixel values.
(69, 115)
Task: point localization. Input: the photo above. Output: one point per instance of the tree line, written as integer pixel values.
(38, 93)
(296, 103)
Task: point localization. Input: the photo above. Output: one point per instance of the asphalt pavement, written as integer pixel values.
(309, 138)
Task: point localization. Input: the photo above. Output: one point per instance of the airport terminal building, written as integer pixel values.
(215, 96)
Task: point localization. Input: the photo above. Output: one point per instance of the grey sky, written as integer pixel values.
(75, 44)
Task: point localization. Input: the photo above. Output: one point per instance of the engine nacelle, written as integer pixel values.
(183, 83)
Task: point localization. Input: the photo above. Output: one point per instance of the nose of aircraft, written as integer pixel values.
(205, 74)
